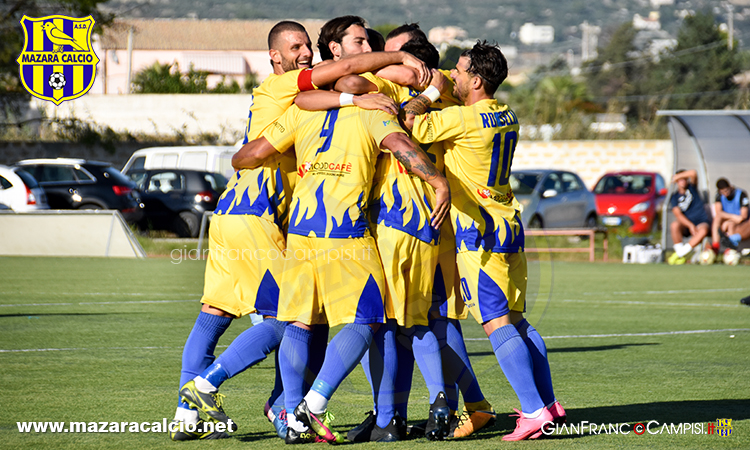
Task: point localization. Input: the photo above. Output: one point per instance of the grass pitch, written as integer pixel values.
(100, 340)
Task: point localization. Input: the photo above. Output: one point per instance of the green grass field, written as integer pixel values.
(92, 340)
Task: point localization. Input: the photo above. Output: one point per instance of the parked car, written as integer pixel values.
(209, 158)
(553, 199)
(176, 199)
(19, 190)
(634, 199)
(80, 184)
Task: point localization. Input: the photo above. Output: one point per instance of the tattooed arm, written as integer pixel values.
(419, 105)
(417, 162)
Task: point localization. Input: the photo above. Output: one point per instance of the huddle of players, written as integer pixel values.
(397, 291)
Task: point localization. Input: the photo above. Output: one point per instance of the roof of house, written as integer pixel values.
(196, 34)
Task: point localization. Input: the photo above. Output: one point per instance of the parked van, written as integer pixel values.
(209, 158)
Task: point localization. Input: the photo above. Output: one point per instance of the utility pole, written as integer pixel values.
(130, 59)
(730, 23)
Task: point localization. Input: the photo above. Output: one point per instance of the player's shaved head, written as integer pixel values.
(334, 31)
(488, 63)
(274, 35)
(424, 50)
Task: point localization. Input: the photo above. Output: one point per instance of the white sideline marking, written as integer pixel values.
(99, 303)
(635, 302)
(27, 350)
(670, 291)
(663, 333)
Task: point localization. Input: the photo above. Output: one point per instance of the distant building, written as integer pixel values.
(653, 42)
(658, 3)
(647, 23)
(530, 34)
(448, 35)
(230, 48)
(589, 41)
(609, 122)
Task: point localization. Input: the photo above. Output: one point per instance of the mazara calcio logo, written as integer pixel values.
(58, 62)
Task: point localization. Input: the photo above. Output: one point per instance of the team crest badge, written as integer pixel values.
(58, 62)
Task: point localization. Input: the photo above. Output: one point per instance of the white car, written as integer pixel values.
(20, 191)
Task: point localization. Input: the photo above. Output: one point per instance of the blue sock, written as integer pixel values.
(427, 354)
(365, 362)
(438, 327)
(456, 357)
(538, 352)
(515, 360)
(343, 353)
(293, 358)
(735, 238)
(404, 374)
(318, 346)
(247, 349)
(383, 366)
(277, 395)
(198, 352)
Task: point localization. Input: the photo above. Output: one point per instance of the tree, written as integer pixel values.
(697, 73)
(551, 95)
(614, 72)
(168, 79)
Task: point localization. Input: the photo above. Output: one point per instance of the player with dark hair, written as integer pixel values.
(691, 219)
(424, 50)
(458, 373)
(252, 214)
(329, 204)
(343, 36)
(409, 291)
(481, 137)
(376, 40)
(403, 34)
(730, 211)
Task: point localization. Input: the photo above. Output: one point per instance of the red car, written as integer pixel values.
(631, 198)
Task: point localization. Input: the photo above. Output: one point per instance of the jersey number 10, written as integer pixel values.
(508, 141)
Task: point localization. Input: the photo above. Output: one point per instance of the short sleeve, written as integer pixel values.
(380, 124)
(304, 81)
(447, 124)
(280, 133)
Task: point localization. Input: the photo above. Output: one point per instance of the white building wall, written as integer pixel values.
(536, 34)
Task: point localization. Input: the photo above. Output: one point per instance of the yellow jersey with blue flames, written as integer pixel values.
(336, 153)
(400, 199)
(266, 190)
(479, 144)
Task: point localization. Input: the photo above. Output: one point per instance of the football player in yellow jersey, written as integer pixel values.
(332, 270)
(409, 251)
(447, 307)
(410, 255)
(480, 138)
(250, 217)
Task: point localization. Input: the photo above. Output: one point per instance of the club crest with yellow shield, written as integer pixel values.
(58, 62)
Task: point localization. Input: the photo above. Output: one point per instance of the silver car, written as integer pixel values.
(553, 199)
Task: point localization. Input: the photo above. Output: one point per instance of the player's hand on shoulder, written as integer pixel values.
(376, 101)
